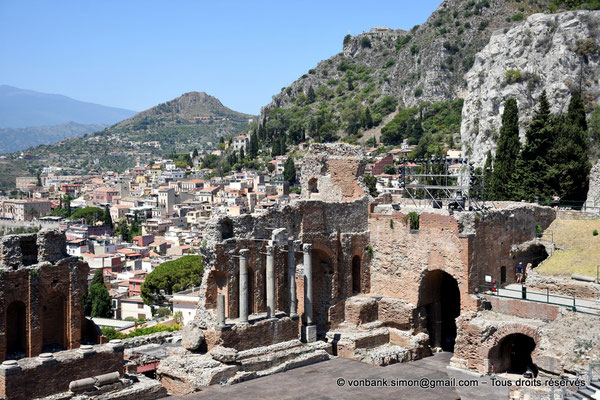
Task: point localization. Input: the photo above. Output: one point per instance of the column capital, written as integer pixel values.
(270, 250)
(244, 253)
(307, 247)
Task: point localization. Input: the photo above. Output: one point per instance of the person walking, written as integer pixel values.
(528, 270)
(519, 272)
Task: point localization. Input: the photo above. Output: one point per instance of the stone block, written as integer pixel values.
(309, 333)
(360, 310)
(192, 337)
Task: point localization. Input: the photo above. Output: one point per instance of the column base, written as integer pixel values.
(309, 333)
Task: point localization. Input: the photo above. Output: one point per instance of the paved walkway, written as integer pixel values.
(514, 291)
(319, 381)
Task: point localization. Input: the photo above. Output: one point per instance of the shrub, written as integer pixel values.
(172, 276)
(538, 230)
(391, 224)
(347, 39)
(512, 76)
(517, 17)
(365, 42)
(418, 92)
(595, 232)
(389, 63)
(413, 217)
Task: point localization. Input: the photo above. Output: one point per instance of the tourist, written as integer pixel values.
(519, 270)
(527, 271)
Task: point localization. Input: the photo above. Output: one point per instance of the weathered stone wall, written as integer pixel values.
(402, 257)
(563, 287)
(541, 311)
(33, 379)
(41, 292)
(332, 172)
(261, 333)
(496, 234)
(337, 231)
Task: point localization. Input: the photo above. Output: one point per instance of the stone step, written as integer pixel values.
(383, 355)
(300, 360)
(265, 361)
(346, 342)
(587, 392)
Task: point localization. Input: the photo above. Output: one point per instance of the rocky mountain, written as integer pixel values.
(20, 108)
(425, 64)
(193, 120)
(15, 139)
(552, 52)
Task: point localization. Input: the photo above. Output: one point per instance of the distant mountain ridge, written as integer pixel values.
(21, 108)
(15, 139)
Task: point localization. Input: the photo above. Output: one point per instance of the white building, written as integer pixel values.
(240, 142)
(134, 307)
(186, 302)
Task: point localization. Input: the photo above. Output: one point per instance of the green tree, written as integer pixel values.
(275, 148)
(89, 214)
(282, 146)
(289, 170)
(253, 151)
(533, 170)
(366, 118)
(106, 218)
(507, 152)
(171, 277)
(242, 155)
(389, 169)
(487, 174)
(135, 229)
(310, 95)
(97, 302)
(371, 183)
(124, 230)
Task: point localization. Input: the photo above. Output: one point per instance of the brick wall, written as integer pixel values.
(524, 309)
(36, 380)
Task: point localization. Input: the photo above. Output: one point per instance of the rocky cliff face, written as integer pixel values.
(427, 63)
(553, 52)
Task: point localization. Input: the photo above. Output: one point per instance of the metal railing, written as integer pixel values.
(572, 303)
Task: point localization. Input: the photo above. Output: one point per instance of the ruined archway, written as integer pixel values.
(226, 227)
(440, 296)
(513, 354)
(54, 322)
(16, 330)
(356, 275)
(313, 186)
(322, 288)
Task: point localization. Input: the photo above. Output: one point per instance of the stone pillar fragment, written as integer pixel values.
(221, 311)
(292, 279)
(270, 282)
(309, 330)
(244, 286)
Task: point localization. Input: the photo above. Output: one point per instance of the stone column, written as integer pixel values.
(221, 311)
(292, 279)
(309, 330)
(244, 286)
(270, 282)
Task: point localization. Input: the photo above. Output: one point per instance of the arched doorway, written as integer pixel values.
(513, 354)
(440, 296)
(356, 281)
(16, 330)
(502, 274)
(322, 287)
(54, 336)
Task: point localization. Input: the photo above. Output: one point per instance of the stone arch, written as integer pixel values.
(439, 295)
(54, 322)
(323, 271)
(356, 275)
(16, 330)
(510, 349)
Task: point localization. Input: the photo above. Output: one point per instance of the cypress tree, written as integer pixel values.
(289, 170)
(487, 174)
(107, 219)
(310, 95)
(576, 111)
(96, 302)
(282, 146)
(275, 147)
(502, 183)
(534, 166)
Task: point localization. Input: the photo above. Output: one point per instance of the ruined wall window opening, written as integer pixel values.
(512, 354)
(356, 275)
(29, 249)
(502, 274)
(226, 229)
(16, 330)
(313, 186)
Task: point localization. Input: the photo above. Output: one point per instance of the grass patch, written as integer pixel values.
(580, 248)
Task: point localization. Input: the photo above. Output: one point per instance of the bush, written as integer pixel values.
(595, 232)
(162, 312)
(517, 17)
(418, 92)
(391, 224)
(390, 62)
(365, 42)
(512, 76)
(538, 230)
(413, 217)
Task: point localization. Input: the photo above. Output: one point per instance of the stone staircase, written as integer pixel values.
(591, 391)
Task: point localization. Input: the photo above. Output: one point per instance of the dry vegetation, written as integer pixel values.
(579, 249)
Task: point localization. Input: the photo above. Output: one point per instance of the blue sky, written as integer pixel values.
(135, 54)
